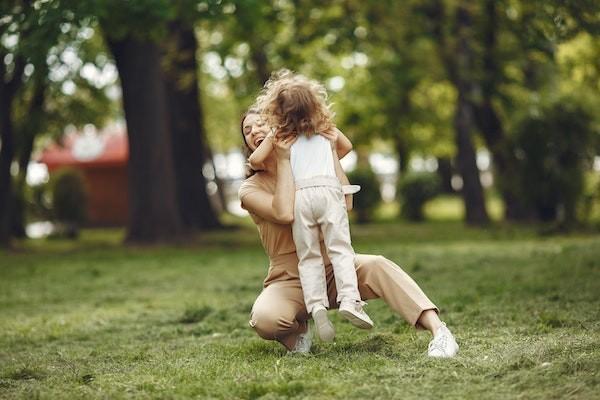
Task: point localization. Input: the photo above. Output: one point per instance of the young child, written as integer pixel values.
(295, 105)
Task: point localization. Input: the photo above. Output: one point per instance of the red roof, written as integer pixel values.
(83, 149)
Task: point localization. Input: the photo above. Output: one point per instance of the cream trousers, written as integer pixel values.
(320, 207)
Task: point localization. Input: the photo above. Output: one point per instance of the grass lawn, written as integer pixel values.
(96, 320)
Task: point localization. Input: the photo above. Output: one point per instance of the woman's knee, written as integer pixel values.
(269, 324)
(372, 263)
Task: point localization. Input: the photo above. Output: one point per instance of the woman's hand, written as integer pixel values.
(282, 145)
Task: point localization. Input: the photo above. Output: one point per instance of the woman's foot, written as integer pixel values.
(352, 310)
(303, 343)
(323, 325)
(443, 344)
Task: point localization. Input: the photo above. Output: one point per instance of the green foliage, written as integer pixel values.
(414, 190)
(366, 201)
(554, 146)
(394, 84)
(143, 19)
(69, 199)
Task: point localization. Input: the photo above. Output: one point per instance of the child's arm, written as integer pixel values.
(341, 175)
(342, 143)
(258, 156)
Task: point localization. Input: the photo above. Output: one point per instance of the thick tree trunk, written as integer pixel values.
(27, 133)
(472, 190)
(8, 89)
(18, 215)
(458, 62)
(6, 158)
(190, 150)
(153, 212)
(489, 122)
(503, 159)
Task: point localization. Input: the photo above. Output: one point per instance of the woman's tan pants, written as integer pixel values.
(279, 312)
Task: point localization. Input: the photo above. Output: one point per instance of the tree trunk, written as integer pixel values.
(27, 133)
(259, 58)
(18, 215)
(402, 152)
(153, 212)
(444, 171)
(472, 190)
(6, 157)
(503, 160)
(8, 89)
(490, 125)
(187, 129)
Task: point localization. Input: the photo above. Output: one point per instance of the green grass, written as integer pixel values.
(443, 208)
(92, 319)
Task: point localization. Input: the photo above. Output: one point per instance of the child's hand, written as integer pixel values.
(282, 145)
(331, 134)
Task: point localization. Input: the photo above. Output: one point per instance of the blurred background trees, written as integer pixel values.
(498, 98)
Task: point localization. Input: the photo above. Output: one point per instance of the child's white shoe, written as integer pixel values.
(323, 325)
(443, 344)
(352, 310)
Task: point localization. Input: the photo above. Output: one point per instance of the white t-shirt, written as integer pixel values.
(311, 157)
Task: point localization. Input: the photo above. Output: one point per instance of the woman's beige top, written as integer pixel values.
(276, 238)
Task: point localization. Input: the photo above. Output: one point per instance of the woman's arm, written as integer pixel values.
(341, 175)
(258, 156)
(279, 206)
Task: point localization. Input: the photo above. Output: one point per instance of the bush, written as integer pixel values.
(554, 147)
(366, 201)
(69, 201)
(414, 190)
(38, 202)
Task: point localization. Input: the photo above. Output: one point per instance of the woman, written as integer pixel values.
(279, 312)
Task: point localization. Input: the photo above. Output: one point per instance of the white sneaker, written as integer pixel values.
(323, 325)
(443, 344)
(352, 310)
(303, 343)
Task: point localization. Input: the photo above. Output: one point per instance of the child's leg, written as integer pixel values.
(336, 232)
(310, 261)
(333, 221)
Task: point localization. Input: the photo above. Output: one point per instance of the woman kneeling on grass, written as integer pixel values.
(279, 313)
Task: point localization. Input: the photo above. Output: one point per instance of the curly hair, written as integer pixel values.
(293, 103)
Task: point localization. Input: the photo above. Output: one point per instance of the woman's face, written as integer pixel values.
(254, 130)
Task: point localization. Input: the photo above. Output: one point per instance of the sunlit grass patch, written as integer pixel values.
(93, 319)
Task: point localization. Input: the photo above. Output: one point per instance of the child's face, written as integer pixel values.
(255, 130)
